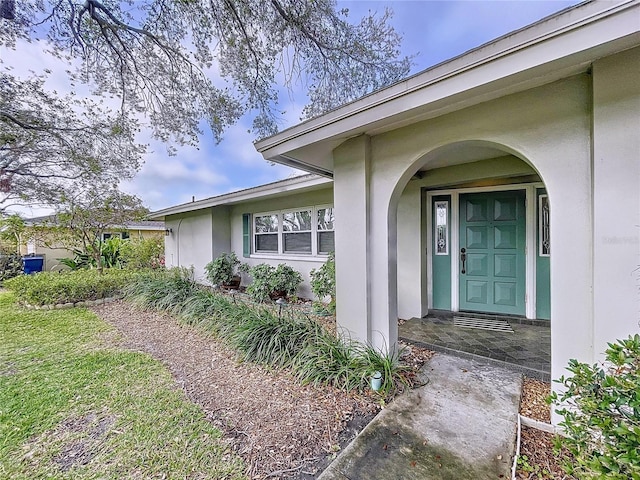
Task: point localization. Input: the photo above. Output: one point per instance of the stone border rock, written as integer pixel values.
(64, 306)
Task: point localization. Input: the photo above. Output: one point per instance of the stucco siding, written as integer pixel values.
(616, 196)
(190, 242)
(302, 263)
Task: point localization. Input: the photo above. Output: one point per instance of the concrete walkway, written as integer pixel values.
(460, 425)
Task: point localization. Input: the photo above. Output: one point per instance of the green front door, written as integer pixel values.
(492, 252)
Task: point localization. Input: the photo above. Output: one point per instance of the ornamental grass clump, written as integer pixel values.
(261, 335)
(600, 407)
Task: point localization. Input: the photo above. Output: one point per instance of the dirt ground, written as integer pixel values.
(282, 429)
(535, 445)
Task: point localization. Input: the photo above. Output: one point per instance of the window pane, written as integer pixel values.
(296, 221)
(267, 223)
(124, 235)
(297, 242)
(326, 242)
(325, 219)
(267, 242)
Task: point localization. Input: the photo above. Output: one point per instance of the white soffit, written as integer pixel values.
(553, 48)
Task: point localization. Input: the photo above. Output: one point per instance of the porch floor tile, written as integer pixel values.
(525, 350)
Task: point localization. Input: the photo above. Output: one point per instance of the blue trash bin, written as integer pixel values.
(32, 264)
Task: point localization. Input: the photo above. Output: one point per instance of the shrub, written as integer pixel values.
(110, 255)
(10, 266)
(601, 414)
(47, 288)
(143, 253)
(269, 282)
(323, 282)
(224, 268)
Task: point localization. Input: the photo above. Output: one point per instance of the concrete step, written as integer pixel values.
(461, 425)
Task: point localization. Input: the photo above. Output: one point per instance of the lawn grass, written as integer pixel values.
(73, 407)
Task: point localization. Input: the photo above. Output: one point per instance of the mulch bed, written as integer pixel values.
(536, 445)
(281, 428)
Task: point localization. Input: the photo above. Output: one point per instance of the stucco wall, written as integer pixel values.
(616, 184)
(548, 126)
(191, 241)
(200, 236)
(302, 263)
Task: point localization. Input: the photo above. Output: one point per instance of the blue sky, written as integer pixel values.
(434, 30)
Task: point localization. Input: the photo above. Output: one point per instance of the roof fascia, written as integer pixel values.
(393, 100)
(290, 185)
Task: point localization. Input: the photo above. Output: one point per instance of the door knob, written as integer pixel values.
(463, 258)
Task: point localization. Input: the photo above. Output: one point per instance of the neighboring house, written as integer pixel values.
(51, 252)
(505, 180)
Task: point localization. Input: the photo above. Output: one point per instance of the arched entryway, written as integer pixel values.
(473, 254)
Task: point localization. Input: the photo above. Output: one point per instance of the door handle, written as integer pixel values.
(463, 258)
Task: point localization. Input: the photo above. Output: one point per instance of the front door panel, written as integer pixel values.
(492, 245)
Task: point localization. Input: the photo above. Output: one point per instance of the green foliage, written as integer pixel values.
(222, 269)
(12, 229)
(123, 49)
(271, 282)
(141, 253)
(261, 335)
(109, 255)
(48, 288)
(10, 266)
(537, 470)
(323, 281)
(600, 407)
(163, 290)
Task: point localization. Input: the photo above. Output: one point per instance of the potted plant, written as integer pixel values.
(225, 270)
(273, 282)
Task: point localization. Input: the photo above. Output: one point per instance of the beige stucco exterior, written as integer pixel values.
(199, 236)
(559, 101)
(554, 106)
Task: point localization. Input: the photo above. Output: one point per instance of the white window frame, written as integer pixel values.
(283, 232)
(280, 213)
(444, 203)
(317, 230)
(254, 233)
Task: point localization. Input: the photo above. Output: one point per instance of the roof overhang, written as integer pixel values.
(299, 184)
(556, 47)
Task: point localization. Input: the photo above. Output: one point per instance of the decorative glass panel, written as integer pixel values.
(544, 227)
(267, 223)
(296, 221)
(325, 219)
(442, 229)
